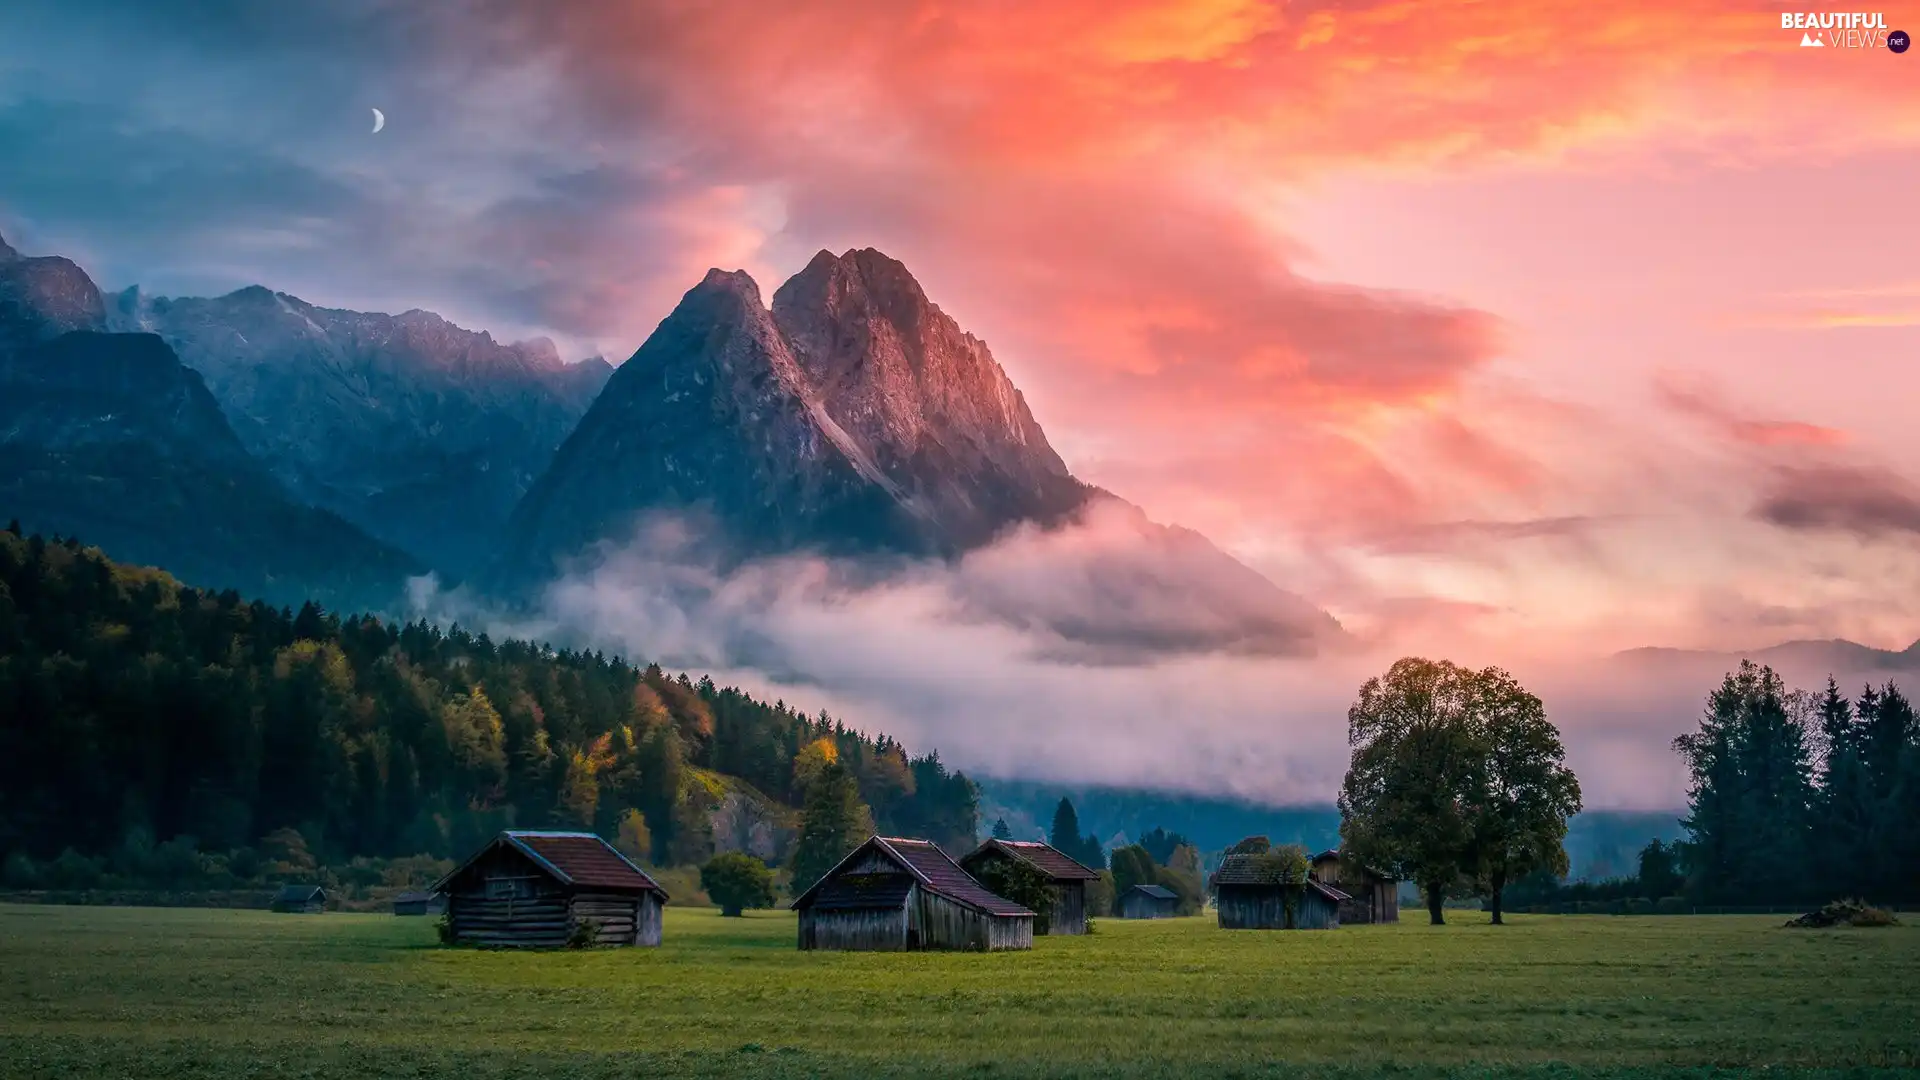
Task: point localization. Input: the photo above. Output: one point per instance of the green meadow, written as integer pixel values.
(125, 992)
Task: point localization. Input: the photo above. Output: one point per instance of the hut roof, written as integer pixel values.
(932, 868)
(298, 894)
(1045, 858)
(580, 859)
(1329, 855)
(1253, 870)
(414, 896)
(1333, 855)
(1158, 892)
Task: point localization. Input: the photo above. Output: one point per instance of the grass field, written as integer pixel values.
(121, 992)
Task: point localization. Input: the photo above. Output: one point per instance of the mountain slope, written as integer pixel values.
(857, 419)
(1804, 660)
(109, 438)
(42, 297)
(712, 416)
(933, 409)
(420, 432)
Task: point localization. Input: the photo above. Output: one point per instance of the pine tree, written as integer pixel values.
(1066, 828)
(1750, 799)
(1000, 830)
(833, 823)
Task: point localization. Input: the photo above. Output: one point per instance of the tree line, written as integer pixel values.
(143, 714)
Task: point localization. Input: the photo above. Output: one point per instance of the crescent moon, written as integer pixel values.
(379, 120)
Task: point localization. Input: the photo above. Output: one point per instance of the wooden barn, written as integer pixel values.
(416, 902)
(1372, 897)
(1250, 897)
(1067, 877)
(1149, 902)
(892, 894)
(300, 899)
(549, 889)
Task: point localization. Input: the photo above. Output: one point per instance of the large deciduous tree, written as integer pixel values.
(1407, 804)
(1522, 793)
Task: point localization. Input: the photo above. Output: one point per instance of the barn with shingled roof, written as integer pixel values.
(550, 889)
(1252, 893)
(897, 894)
(1067, 878)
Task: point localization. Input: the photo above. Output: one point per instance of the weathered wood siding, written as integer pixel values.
(935, 922)
(1069, 908)
(874, 929)
(1373, 901)
(1258, 907)
(1134, 905)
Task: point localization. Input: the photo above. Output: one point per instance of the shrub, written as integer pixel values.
(1671, 905)
(1024, 885)
(21, 872)
(735, 881)
(444, 927)
(586, 933)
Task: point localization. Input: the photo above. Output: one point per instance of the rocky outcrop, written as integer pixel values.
(43, 297)
(421, 432)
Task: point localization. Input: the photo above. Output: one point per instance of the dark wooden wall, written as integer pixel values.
(1135, 905)
(1264, 907)
(1069, 908)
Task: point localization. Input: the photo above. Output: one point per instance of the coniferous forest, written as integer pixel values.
(156, 731)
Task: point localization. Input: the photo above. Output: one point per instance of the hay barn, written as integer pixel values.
(1372, 897)
(1149, 902)
(1067, 878)
(419, 903)
(1249, 897)
(550, 889)
(300, 899)
(894, 894)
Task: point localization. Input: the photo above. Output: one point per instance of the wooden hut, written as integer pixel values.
(415, 902)
(1372, 897)
(1250, 897)
(549, 889)
(892, 894)
(300, 899)
(1066, 877)
(1149, 902)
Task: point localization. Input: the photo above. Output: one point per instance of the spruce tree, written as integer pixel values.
(833, 823)
(1066, 828)
(1000, 830)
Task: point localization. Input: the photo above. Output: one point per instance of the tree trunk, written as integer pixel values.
(1436, 901)
(1499, 883)
(729, 911)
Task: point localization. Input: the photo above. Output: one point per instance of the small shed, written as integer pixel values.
(415, 902)
(1372, 897)
(548, 889)
(1067, 878)
(1149, 902)
(1250, 897)
(300, 899)
(894, 894)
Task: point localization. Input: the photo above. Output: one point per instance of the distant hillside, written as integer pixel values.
(1600, 843)
(139, 710)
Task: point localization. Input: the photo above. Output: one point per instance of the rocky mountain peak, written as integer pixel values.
(42, 297)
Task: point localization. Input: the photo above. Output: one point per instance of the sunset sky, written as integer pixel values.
(1522, 329)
